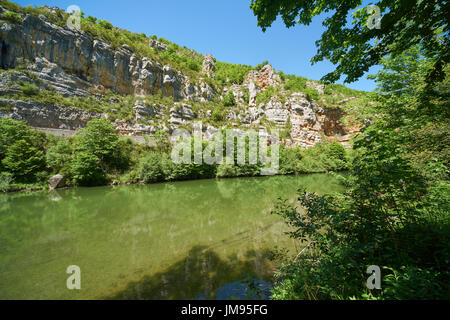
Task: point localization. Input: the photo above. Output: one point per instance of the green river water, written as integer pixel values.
(199, 239)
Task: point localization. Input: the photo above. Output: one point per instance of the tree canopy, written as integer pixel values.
(354, 47)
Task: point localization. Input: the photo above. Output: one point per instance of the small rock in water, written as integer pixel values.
(56, 181)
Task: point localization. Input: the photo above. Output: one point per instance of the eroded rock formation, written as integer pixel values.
(73, 64)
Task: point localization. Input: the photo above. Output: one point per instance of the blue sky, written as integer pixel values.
(225, 28)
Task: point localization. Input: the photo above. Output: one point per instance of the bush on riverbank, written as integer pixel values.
(324, 157)
(22, 151)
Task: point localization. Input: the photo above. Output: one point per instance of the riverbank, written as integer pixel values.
(35, 187)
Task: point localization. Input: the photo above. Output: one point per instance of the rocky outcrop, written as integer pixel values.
(73, 61)
(144, 110)
(126, 128)
(74, 64)
(56, 181)
(264, 77)
(308, 122)
(209, 66)
(259, 80)
(320, 88)
(48, 116)
(181, 113)
(157, 45)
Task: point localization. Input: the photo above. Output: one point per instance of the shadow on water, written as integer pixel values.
(203, 274)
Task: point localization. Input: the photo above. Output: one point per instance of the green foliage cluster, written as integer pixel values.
(218, 115)
(186, 62)
(21, 150)
(157, 166)
(59, 17)
(103, 24)
(295, 83)
(6, 179)
(261, 65)
(228, 73)
(229, 99)
(11, 17)
(323, 157)
(402, 25)
(31, 156)
(29, 89)
(266, 95)
(397, 212)
(332, 96)
(311, 94)
(98, 150)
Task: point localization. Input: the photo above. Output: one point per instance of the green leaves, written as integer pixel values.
(21, 150)
(231, 73)
(396, 213)
(355, 49)
(86, 169)
(229, 99)
(24, 160)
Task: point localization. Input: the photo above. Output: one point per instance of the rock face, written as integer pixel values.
(75, 65)
(73, 61)
(209, 66)
(259, 80)
(264, 77)
(143, 111)
(56, 182)
(48, 116)
(317, 86)
(158, 45)
(181, 113)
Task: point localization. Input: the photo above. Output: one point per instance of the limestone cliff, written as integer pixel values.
(72, 65)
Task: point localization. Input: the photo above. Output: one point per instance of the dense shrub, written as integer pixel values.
(91, 19)
(229, 99)
(98, 150)
(266, 95)
(29, 89)
(246, 95)
(105, 24)
(151, 168)
(59, 157)
(227, 171)
(262, 64)
(295, 83)
(323, 157)
(218, 114)
(24, 160)
(231, 73)
(311, 94)
(11, 17)
(87, 169)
